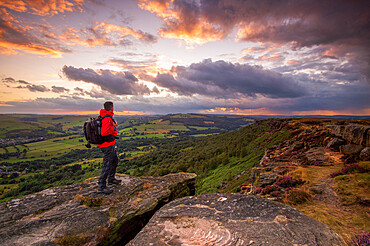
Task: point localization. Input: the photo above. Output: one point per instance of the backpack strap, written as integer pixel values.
(105, 116)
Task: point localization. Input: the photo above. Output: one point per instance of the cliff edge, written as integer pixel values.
(80, 215)
(233, 219)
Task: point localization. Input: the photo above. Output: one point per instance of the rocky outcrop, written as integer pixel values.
(365, 154)
(335, 143)
(320, 156)
(354, 133)
(232, 219)
(78, 213)
(351, 149)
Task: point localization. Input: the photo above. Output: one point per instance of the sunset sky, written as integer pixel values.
(247, 57)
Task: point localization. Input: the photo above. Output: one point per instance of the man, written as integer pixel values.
(110, 159)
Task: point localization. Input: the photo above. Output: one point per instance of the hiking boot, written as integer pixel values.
(105, 190)
(114, 181)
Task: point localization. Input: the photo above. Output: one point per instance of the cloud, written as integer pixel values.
(14, 37)
(305, 22)
(340, 26)
(35, 88)
(133, 66)
(45, 7)
(119, 83)
(183, 19)
(17, 33)
(58, 89)
(105, 34)
(227, 80)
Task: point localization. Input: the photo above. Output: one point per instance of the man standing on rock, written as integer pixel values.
(110, 158)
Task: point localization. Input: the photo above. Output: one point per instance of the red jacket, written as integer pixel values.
(107, 128)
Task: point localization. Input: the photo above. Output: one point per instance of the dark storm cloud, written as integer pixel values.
(305, 22)
(341, 26)
(343, 97)
(58, 89)
(121, 83)
(221, 79)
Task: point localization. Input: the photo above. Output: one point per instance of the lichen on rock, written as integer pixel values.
(232, 219)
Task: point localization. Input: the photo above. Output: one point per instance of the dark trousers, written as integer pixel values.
(108, 169)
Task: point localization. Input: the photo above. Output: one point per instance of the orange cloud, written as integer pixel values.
(14, 37)
(134, 66)
(104, 34)
(182, 25)
(44, 7)
(94, 112)
(267, 111)
(365, 111)
(11, 49)
(293, 62)
(238, 111)
(276, 57)
(111, 29)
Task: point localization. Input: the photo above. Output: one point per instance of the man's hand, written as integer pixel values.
(114, 124)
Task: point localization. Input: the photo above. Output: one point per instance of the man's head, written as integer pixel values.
(108, 106)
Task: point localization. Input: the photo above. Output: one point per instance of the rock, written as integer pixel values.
(354, 133)
(78, 211)
(365, 154)
(297, 146)
(335, 144)
(351, 149)
(321, 156)
(233, 219)
(267, 179)
(338, 130)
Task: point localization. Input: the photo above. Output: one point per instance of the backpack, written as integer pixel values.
(92, 131)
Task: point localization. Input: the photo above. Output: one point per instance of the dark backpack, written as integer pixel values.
(92, 131)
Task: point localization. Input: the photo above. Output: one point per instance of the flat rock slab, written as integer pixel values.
(232, 219)
(79, 213)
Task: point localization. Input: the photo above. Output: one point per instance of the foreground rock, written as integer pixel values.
(77, 213)
(354, 133)
(232, 219)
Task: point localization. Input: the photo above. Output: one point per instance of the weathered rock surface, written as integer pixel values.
(321, 156)
(354, 133)
(81, 213)
(232, 219)
(351, 149)
(365, 154)
(335, 144)
(267, 179)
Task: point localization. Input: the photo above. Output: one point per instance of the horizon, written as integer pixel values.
(239, 115)
(158, 57)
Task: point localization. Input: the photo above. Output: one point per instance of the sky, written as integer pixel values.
(244, 57)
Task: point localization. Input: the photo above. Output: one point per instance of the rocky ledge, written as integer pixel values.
(232, 219)
(77, 214)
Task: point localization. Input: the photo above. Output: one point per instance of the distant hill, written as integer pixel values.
(354, 117)
(175, 125)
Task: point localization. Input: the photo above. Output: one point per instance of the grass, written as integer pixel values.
(349, 217)
(352, 188)
(28, 123)
(48, 148)
(227, 173)
(345, 223)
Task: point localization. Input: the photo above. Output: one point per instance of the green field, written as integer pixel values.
(46, 149)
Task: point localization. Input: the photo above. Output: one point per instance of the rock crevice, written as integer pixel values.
(79, 213)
